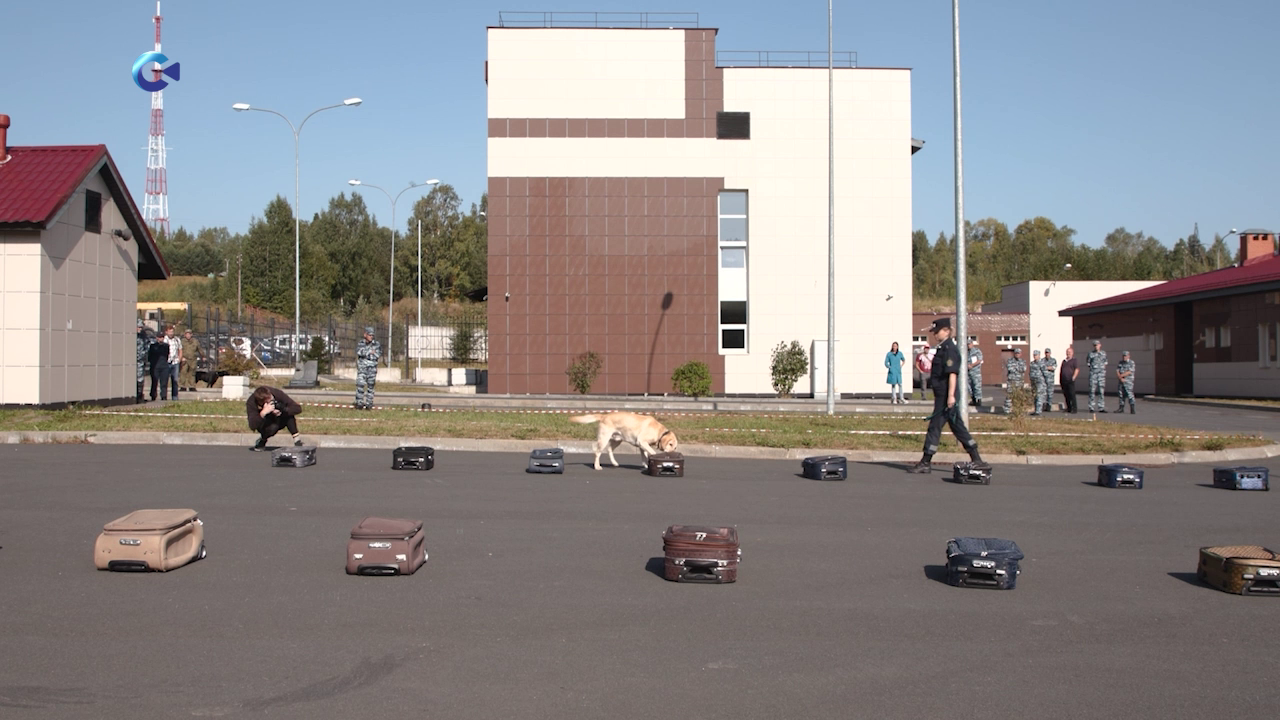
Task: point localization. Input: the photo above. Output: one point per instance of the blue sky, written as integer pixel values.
(1094, 113)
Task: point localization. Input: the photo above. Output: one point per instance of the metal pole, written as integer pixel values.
(419, 294)
(831, 219)
(962, 310)
(392, 300)
(297, 255)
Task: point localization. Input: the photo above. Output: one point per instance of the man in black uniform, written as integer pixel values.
(943, 377)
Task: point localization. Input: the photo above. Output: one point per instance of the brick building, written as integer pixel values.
(997, 333)
(1213, 334)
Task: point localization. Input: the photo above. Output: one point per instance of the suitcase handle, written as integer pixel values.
(700, 571)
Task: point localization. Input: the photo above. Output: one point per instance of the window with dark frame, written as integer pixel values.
(92, 211)
(733, 126)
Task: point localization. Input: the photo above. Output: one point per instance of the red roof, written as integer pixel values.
(37, 181)
(1227, 281)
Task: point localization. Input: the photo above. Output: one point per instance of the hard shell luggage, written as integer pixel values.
(418, 457)
(667, 464)
(547, 460)
(983, 563)
(698, 554)
(143, 540)
(1242, 478)
(825, 467)
(1120, 476)
(971, 473)
(297, 457)
(1241, 569)
(386, 546)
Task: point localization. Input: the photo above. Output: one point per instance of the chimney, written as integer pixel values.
(1255, 245)
(4, 138)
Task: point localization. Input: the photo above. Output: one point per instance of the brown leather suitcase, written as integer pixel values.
(386, 546)
(1241, 569)
(143, 540)
(699, 554)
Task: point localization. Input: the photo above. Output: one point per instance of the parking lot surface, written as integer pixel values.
(542, 596)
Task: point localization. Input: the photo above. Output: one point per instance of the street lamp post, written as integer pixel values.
(962, 292)
(392, 293)
(1219, 253)
(297, 213)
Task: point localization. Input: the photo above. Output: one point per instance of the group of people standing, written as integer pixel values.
(172, 361)
(1041, 370)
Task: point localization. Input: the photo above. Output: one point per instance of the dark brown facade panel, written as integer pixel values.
(605, 290)
(1135, 323)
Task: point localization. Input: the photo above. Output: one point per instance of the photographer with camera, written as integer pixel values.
(268, 410)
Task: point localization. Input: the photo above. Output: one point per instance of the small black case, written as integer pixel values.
(413, 458)
(1120, 476)
(825, 467)
(294, 456)
(547, 460)
(983, 563)
(1242, 478)
(971, 473)
(665, 465)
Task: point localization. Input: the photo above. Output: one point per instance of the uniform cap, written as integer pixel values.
(1047, 351)
(140, 323)
(1126, 352)
(1017, 351)
(1036, 353)
(939, 324)
(368, 330)
(1097, 342)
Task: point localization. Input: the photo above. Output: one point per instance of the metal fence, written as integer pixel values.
(784, 59)
(442, 341)
(670, 20)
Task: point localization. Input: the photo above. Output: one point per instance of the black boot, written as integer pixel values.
(1132, 410)
(260, 445)
(976, 457)
(923, 467)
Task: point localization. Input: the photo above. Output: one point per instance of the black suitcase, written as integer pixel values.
(825, 467)
(665, 465)
(1242, 478)
(548, 460)
(413, 458)
(983, 563)
(971, 473)
(1120, 476)
(294, 456)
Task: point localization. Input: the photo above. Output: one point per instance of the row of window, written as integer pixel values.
(733, 271)
(1217, 337)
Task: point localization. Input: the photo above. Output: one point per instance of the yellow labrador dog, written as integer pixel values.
(642, 431)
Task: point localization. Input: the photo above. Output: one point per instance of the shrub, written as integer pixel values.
(233, 363)
(790, 363)
(1021, 398)
(462, 346)
(584, 370)
(318, 352)
(693, 379)
(1214, 444)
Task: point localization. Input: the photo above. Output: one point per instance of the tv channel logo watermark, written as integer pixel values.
(140, 67)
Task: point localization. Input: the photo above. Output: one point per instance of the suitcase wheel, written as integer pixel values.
(203, 552)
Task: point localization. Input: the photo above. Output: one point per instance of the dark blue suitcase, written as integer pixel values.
(1120, 476)
(971, 473)
(983, 563)
(825, 467)
(1242, 478)
(418, 457)
(547, 460)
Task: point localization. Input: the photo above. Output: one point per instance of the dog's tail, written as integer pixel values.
(584, 419)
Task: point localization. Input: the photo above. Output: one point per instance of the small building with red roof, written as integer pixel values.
(1213, 335)
(72, 249)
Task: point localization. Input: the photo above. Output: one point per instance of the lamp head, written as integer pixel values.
(433, 181)
(353, 182)
(240, 107)
(352, 102)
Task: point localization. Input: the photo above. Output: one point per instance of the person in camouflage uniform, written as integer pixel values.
(1124, 373)
(1050, 371)
(975, 374)
(1037, 381)
(368, 352)
(1096, 362)
(191, 354)
(143, 344)
(1015, 372)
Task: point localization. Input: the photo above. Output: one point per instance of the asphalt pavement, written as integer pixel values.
(541, 597)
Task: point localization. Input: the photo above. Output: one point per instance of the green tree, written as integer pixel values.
(268, 259)
(358, 252)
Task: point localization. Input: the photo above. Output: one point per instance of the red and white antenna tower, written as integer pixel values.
(155, 205)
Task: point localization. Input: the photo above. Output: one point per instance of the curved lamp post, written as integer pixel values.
(297, 212)
(392, 293)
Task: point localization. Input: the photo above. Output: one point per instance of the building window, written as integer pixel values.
(1224, 336)
(92, 211)
(919, 339)
(1273, 333)
(1011, 339)
(733, 126)
(1210, 337)
(732, 216)
(1263, 337)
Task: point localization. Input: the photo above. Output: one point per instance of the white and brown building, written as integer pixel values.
(72, 249)
(1214, 334)
(656, 207)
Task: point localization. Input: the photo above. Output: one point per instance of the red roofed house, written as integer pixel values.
(72, 249)
(1212, 334)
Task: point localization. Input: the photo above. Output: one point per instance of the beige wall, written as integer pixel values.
(69, 308)
(1242, 379)
(784, 169)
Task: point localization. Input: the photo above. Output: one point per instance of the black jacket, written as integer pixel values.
(285, 404)
(946, 361)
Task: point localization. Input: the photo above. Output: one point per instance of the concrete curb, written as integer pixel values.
(373, 442)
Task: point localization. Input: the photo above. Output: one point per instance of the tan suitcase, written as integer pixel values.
(1241, 569)
(386, 546)
(143, 540)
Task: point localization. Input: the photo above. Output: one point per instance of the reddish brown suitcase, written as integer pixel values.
(699, 554)
(386, 546)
